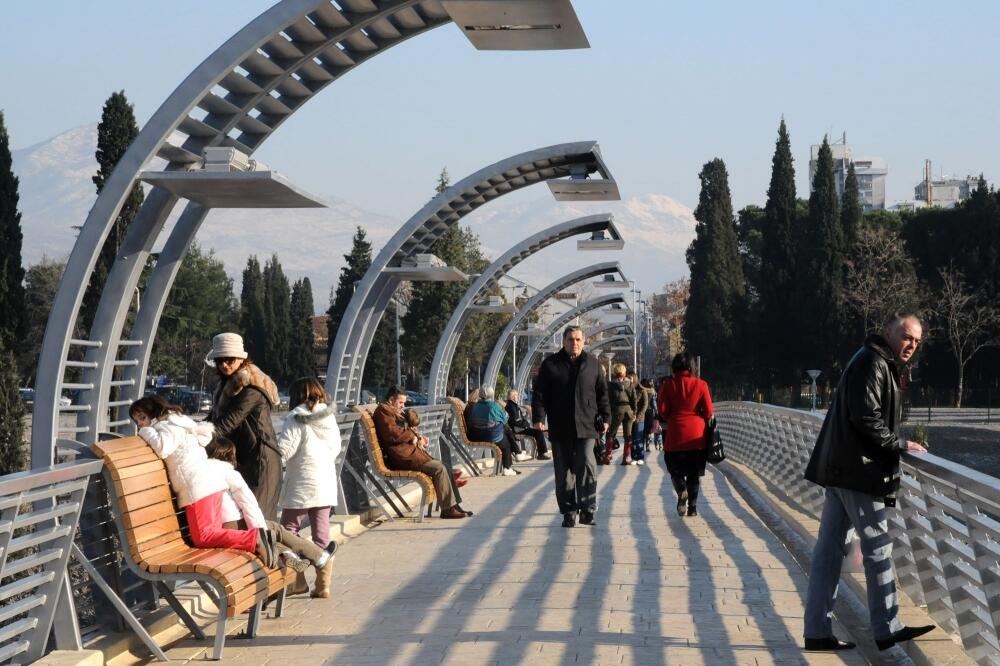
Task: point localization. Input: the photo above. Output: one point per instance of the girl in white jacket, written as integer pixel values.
(181, 443)
(309, 444)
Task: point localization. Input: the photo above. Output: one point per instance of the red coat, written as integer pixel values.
(685, 405)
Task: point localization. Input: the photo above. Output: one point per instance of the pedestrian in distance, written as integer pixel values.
(621, 395)
(571, 395)
(856, 458)
(241, 411)
(309, 443)
(638, 449)
(685, 405)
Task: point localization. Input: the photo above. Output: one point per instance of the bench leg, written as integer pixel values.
(182, 613)
(253, 623)
(220, 630)
(207, 589)
(279, 606)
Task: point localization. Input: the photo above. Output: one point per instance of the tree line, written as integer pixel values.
(798, 284)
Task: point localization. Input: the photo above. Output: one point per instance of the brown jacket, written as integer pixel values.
(398, 442)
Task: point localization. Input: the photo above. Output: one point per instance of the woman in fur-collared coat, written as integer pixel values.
(241, 411)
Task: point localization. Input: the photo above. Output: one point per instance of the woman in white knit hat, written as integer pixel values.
(241, 411)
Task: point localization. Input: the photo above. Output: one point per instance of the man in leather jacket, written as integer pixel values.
(570, 393)
(856, 458)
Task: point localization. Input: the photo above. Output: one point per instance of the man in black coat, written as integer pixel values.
(856, 458)
(571, 394)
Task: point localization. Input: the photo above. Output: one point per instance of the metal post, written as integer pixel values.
(514, 364)
(399, 367)
(635, 328)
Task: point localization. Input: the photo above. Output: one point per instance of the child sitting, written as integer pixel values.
(238, 503)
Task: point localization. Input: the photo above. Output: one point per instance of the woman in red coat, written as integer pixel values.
(685, 407)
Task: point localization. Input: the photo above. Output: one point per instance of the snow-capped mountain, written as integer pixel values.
(57, 194)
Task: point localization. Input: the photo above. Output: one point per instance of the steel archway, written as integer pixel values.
(555, 325)
(374, 291)
(237, 97)
(609, 327)
(441, 365)
(533, 304)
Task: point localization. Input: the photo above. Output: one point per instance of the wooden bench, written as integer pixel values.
(458, 409)
(427, 493)
(154, 548)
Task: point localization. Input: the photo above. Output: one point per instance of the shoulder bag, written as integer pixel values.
(714, 451)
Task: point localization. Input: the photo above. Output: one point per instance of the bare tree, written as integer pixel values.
(880, 277)
(969, 322)
(668, 309)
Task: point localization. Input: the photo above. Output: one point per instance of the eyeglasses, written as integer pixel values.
(226, 361)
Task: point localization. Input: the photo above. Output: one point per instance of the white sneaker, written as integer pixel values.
(521, 457)
(507, 471)
(634, 462)
(640, 462)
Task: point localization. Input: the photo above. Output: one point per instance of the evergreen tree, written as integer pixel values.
(115, 134)
(444, 181)
(777, 340)
(822, 272)
(277, 319)
(252, 320)
(12, 321)
(12, 455)
(716, 303)
(301, 362)
(380, 364)
(357, 263)
(851, 210)
(41, 281)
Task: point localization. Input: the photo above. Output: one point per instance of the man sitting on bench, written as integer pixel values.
(405, 450)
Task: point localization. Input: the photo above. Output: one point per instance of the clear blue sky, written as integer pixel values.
(665, 87)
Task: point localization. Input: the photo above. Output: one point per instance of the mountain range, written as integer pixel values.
(56, 193)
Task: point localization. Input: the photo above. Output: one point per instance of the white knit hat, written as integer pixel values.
(226, 345)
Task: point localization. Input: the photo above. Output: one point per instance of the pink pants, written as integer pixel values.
(205, 524)
(319, 519)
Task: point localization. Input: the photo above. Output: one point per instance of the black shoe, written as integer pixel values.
(692, 510)
(827, 644)
(904, 634)
(682, 502)
(587, 518)
(569, 520)
(328, 554)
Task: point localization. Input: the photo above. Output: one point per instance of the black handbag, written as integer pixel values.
(714, 451)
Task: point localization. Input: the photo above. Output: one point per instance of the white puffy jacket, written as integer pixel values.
(239, 501)
(181, 443)
(309, 445)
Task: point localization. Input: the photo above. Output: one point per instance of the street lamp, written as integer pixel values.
(813, 374)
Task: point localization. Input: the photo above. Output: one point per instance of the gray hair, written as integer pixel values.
(486, 393)
(897, 318)
(511, 393)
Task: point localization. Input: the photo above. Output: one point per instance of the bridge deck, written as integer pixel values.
(510, 585)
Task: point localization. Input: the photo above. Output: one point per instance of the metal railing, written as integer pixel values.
(39, 511)
(945, 528)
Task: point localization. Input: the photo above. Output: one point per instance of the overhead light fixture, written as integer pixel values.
(600, 240)
(584, 189)
(518, 25)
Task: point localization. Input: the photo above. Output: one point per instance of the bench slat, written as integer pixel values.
(136, 484)
(136, 518)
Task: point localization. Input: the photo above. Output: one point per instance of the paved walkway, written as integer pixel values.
(512, 586)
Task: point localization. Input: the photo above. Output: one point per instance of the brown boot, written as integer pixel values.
(322, 588)
(300, 586)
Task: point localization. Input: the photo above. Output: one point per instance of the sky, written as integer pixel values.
(665, 87)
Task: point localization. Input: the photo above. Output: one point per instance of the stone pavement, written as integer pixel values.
(511, 586)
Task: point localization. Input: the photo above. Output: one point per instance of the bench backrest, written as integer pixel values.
(146, 505)
(370, 435)
(458, 408)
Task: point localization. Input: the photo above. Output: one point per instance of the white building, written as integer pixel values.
(871, 173)
(946, 192)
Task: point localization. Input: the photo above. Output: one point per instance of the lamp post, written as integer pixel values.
(813, 374)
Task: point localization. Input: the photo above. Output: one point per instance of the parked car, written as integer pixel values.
(28, 398)
(414, 399)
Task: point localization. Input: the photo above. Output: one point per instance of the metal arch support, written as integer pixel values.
(418, 234)
(533, 304)
(441, 365)
(556, 324)
(604, 329)
(248, 87)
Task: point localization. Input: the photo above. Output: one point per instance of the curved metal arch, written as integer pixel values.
(533, 304)
(236, 97)
(611, 340)
(609, 327)
(418, 234)
(441, 365)
(559, 322)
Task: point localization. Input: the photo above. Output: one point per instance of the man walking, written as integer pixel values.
(571, 393)
(857, 459)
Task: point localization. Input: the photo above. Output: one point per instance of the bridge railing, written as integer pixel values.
(945, 528)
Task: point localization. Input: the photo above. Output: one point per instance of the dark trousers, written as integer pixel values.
(576, 474)
(538, 436)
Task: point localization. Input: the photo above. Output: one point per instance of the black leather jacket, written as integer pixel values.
(859, 445)
(570, 395)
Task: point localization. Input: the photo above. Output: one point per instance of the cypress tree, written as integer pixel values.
(12, 310)
(821, 277)
(357, 263)
(717, 284)
(12, 456)
(851, 209)
(301, 362)
(777, 270)
(115, 134)
(277, 319)
(252, 310)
